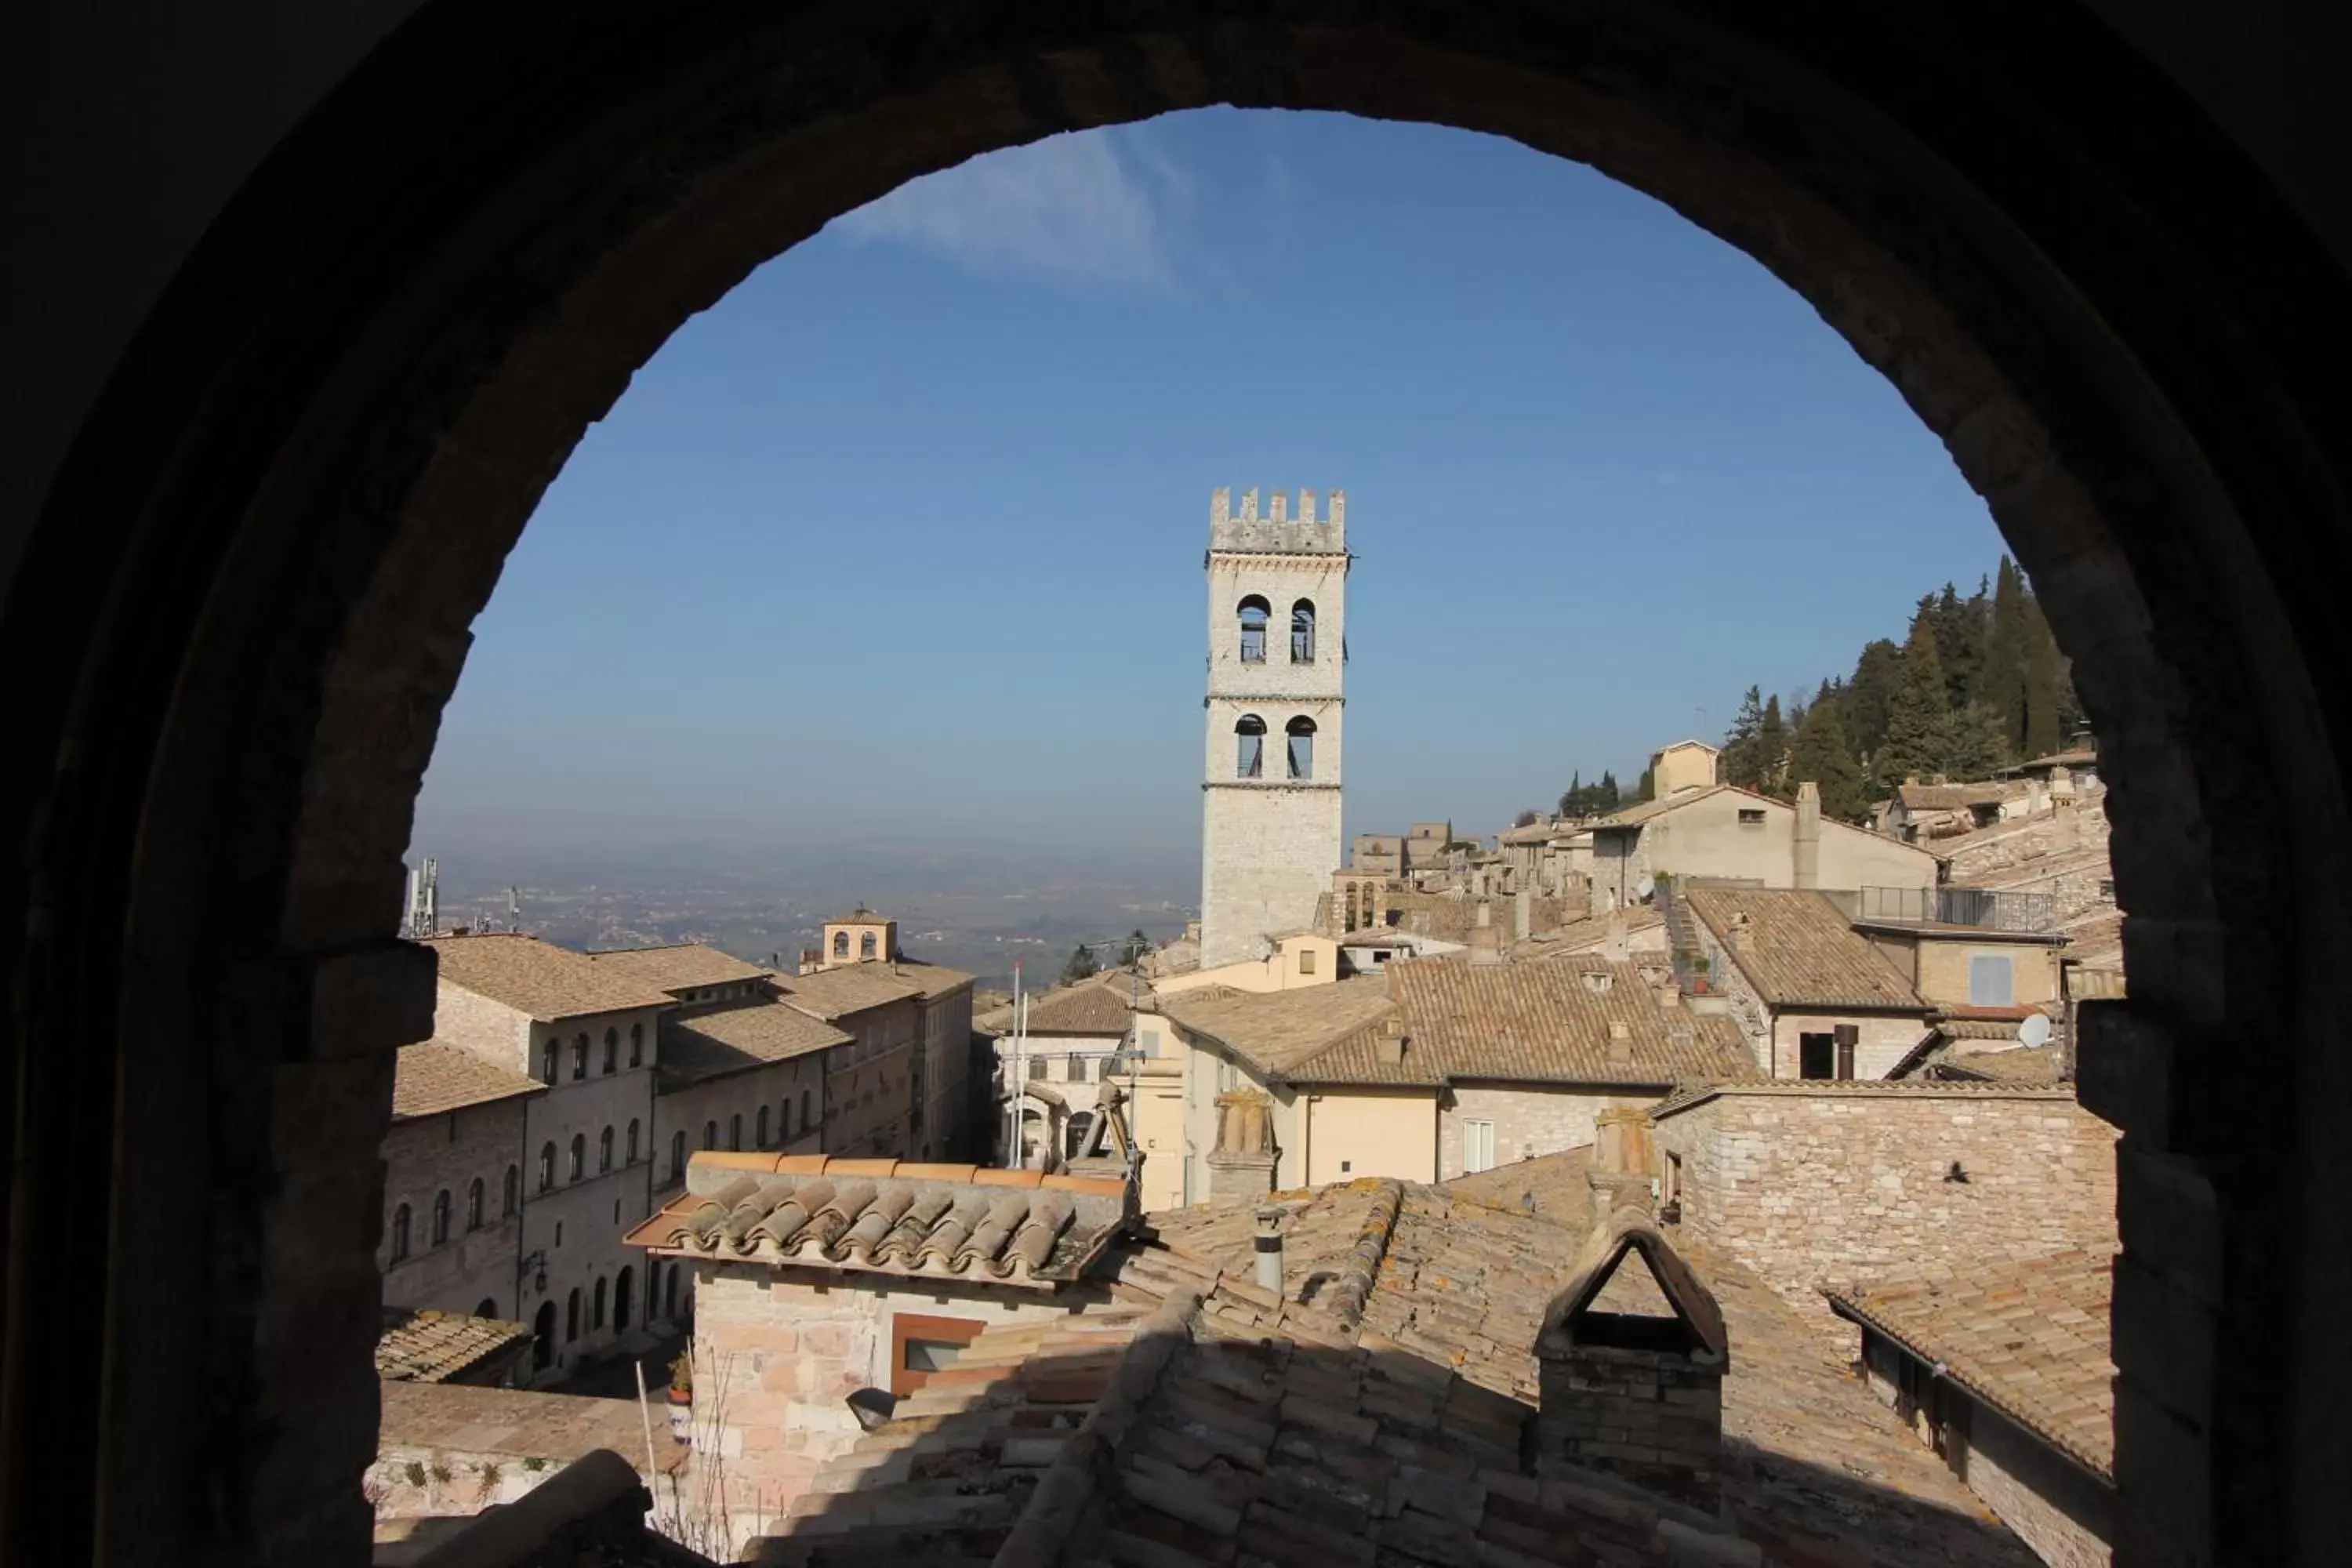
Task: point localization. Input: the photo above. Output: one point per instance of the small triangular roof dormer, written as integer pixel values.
(1576, 1320)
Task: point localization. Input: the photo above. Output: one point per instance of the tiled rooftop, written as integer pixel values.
(433, 1075)
(1577, 1019)
(1590, 934)
(1916, 797)
(1372, 1412)
(1859, 1088)
(538, 978)
(699, 1046)
(890, 1216)
(1634, 816)
(1101, 1006)
(679, 967)
(455, 1418)
(832, 994)
(435, 1347)
(2029, 1338)
(1799, 948)
(1279, 1030)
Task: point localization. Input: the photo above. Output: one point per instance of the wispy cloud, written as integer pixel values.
(1067, 208)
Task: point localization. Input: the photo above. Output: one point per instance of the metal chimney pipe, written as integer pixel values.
(1268, 1251)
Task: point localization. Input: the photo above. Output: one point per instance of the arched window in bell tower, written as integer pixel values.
(1301, 732)
(1302, 632)
(1255, 613)
(1249, 747)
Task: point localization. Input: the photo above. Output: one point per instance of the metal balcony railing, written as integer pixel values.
(1981, 907)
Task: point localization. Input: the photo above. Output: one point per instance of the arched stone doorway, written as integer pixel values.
(254, 578)
(543, 1338)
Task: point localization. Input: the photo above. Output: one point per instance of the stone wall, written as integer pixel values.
(448, 1153)
(1653, 1416)
(777, 1352)
(1528, 1121)
(1829, 1184)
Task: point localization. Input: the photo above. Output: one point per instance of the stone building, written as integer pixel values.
(453, 1183)
(2003, 1370)
(1812, 997)
(1439, 1065)
(1726, 833)
(1066, 1036)
(1685, 765)
(901, 1086)
(1271, 781)
(590, 1035)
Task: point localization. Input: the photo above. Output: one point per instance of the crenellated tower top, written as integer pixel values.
(1278, 532)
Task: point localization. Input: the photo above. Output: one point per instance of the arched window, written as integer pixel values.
(677, 1156)
(612, 1049)
(513, 1194)
(1301, 732)
(1302, 632)
(710, 1135)
(441, 1218)
(637, 1045)
(546, 1167)
(632, 1141)
(1255, 613)
(572, 1316)
(604, 1150)
(543, 1338)
(621, 1293)
(866, 946)
(761, 1138)
(547, 1063)
(486, 1308)
(735, 1131)
(1249, 747)
(841, 944)
(579, 1156)
(596, 1306)
(474, 1195)
(399, 1233)
(580, 1057)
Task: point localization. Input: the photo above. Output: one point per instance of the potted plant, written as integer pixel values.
(681, 1378)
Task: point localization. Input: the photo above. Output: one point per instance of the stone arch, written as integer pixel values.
(279, 522)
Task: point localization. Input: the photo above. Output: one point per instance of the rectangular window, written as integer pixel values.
(922, 1345)
(1751, 817)
(1816, 1056)
(1306, 961)
(1037, 1070)
(1147, 1042)
(1478, 1147)
(1992, 981)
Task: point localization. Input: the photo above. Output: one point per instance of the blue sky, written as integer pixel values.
(903, 538)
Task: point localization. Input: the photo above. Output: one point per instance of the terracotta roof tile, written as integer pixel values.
(832, 994)
(434, 1347)
(1101, 1006)
(557, 1427)
(1574, 1019)
(435, 1075)
(679, 967)
(540, 978)
(1799, 948)
(703, 1045)
(2029, 1337)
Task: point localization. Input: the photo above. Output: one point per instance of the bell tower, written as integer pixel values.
(1277, 656)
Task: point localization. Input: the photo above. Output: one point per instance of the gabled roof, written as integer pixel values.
(2028, 1337)
(683, 966)
(836, 993)
(435, 1075)
(1571, 1019)
(1098, 1006)
(1797, 949)
(700, 1046)
(1634, 816)
(1275, 1031)
(1573, 1319)
(538, 978)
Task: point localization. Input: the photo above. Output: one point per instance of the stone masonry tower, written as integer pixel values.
(1277, 652)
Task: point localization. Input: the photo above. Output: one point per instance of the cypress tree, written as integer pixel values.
(1867, 695)
(1916, 712)
(1970, 743)
(1646, 788)
(1742, 761)
(1771, 748)
(2042, 678)
(1572, 803)
(1606, 797)
(2003, 687)
(1959, 644)
(1823, 755)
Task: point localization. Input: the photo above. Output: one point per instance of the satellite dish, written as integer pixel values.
(1644, 887)
(2035, 1030)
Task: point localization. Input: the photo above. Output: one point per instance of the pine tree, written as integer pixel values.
(1970, 743)
(1647, 788)
(1571, 804)
(1080, 966)
(2002, 689)
(2043, 680)
(1771, 748)
(1742, 761)
(1823, 755)
(1916, 712)
(1606, 791)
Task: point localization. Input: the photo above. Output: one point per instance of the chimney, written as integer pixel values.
(1806, 852)
(1485, 942)
(1267, 1250)
(1523, 913)
(1241, 1165)
(1392, 1040)
(1626, 1387)
(1734, 934)
(1620, 1043)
